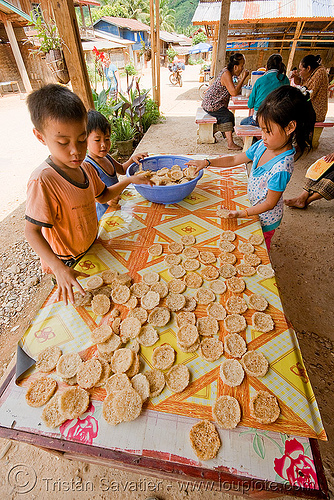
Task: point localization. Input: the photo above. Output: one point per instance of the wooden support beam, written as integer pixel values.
(214, 50)
(17, 55)
(298, 31)
(66, 21)
(155, 50)
(222, 36)
(157, 45)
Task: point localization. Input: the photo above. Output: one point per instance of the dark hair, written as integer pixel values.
(97, 121)
(275, 61)
(286, 104)
(54, 102)
(311, 60)
(234, 60)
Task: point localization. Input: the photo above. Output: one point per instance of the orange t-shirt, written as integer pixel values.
(64, 208)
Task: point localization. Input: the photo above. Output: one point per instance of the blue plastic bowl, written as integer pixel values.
(164, 194)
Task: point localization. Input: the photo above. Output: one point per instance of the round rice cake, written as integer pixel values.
(148, 336)
(141, 385)
(204, 440)
(161, 288)
(120, 294)
(204, 296)
(101, 333)
(68, 364)
(47, 360)
(257, 302)
(175, 301)
(226, 412)
(185, 317)
(226, 246)
(211, 349)
(227, 235)
(82, 300)
(115, 325)
(187, 334)
(190, 304)
(177, 378)
(139, 313)
(127, 405)
(235, 323)
(210, 273)
(40, 391)
(163, 357)
(177, 271)
(236, 285)
(104, 374)
(160, 316)
(151, 277)
(129, 328)
(73, 402)
(252, 259)
(104, 290)
(51, 414)
(190, 253)
(94, 282)
(117, 382)
(207, 257)
(188, 239)
(156, 380)
(150, 300)
(172, 259)
(207, 326)
(135, 367)
(155, 250)
(122, 360)
(262, 322)
(89, 373)
(265, 271)
(264, 407)
(70, 381)
(216, 310)
(101, 356)
(223, 212)
(176, 286)
(101, 304)
(175, 247)
(256, 239)
(124, 279)
(245, 247)
(218, 286)
(231, 372)
(108, 276)
(110, 345)
(131, 303)
(189, 349)
(134, 345)
(108, 411)
(236, 305)
(227, 258)
(245, 269)
(235, 345)
(175, 175)
(255, 363)
(191, 264)
(227, 271)
(139, 289)
(193, 280)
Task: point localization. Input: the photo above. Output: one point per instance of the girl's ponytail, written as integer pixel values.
(275, 61)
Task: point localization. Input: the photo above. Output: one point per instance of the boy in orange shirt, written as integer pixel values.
(61, 221)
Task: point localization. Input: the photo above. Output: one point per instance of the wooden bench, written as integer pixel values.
(205, 124)
(318, 128)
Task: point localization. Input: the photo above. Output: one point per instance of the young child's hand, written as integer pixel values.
(199, 164)
(66, 280)
(139, 156)
(329, 158)
(141, 178)
(234, 214)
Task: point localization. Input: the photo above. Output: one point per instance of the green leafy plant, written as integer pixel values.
(47, 33)
(199, 37)
(192, 61)
(122, 130)
(152, 115)
(171, 53)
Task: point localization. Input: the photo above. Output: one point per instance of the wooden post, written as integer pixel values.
(214, 50)
(294, 45)
(17, 55)
(222, 37)
(68, 29)
(157, 54)
(153, 51)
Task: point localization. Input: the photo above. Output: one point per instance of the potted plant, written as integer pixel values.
(50, 46)
(123, 133)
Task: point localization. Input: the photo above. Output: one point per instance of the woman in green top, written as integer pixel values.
(273, 78)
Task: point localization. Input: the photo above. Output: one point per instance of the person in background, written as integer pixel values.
(217, 96)
(112, 76)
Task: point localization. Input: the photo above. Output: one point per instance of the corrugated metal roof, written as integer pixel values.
(174, 38)
(122, 22)
(112, 38)
(101, 45)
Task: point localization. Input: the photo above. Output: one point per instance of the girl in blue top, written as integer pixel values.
(286, 116)
(98, 143)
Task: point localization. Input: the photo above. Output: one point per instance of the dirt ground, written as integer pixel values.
(301, 255)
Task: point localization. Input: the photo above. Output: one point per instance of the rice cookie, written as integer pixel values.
(175, 301)
(135, 367)
(130, 328)
(89, 373)
(172, 259)
(134, 345)
(47, 360)
(228, 235)
(185, 317)
(265, 271)
(139, 313)
(120, 294)
(227, 271)
(204, 296)
(231, 372)
(161, 288)
(151, 277)
(150, 300)
(190, 304)
(236, 285)
(245, 247)
(191, 264)
(252, 259)
(108, 276)
(122, 360)
(218, 286)
(141, 385)
(124, 279)
(235, 345)
(245, 269)
(175, 175)
(51, 414)
(139, 289)
(82, 300)
(131, 303)
(73, 402)
(264, 407)
(104, 374)
(235, 323)
(148, 336)
(102, 357)
(156, 379)
(257, 302)
(176, 286)
(226, 246)
(177, 271)
(190, 253)
(210, 273)
(190, 172)
(108, 411)
(193, 280)
(115, 325)
(188, 239)
(191, 348)
(207, 257)
(223, 212)
(127, 405)
(262, 322)
(70, 381)
(155, 250)
(110, 345)
(101, 333)
(236, 305)
(216, 310)
(100, 304)
(256, 239)
(227, 258)
(204, 440)
(117, 382)
(211, 349)
(255, 363)
(207, 326)
(175, 247)
(94, 282)
(103, 290)
(40, 391)
(68, 364)
(187, 334)
(226, 412)
(163, 357)
(177, 378)
(160, 316)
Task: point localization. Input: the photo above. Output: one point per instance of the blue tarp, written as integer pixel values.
(200, 47)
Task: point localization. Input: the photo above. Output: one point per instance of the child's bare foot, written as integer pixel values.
(296, 203)
(234, 147)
